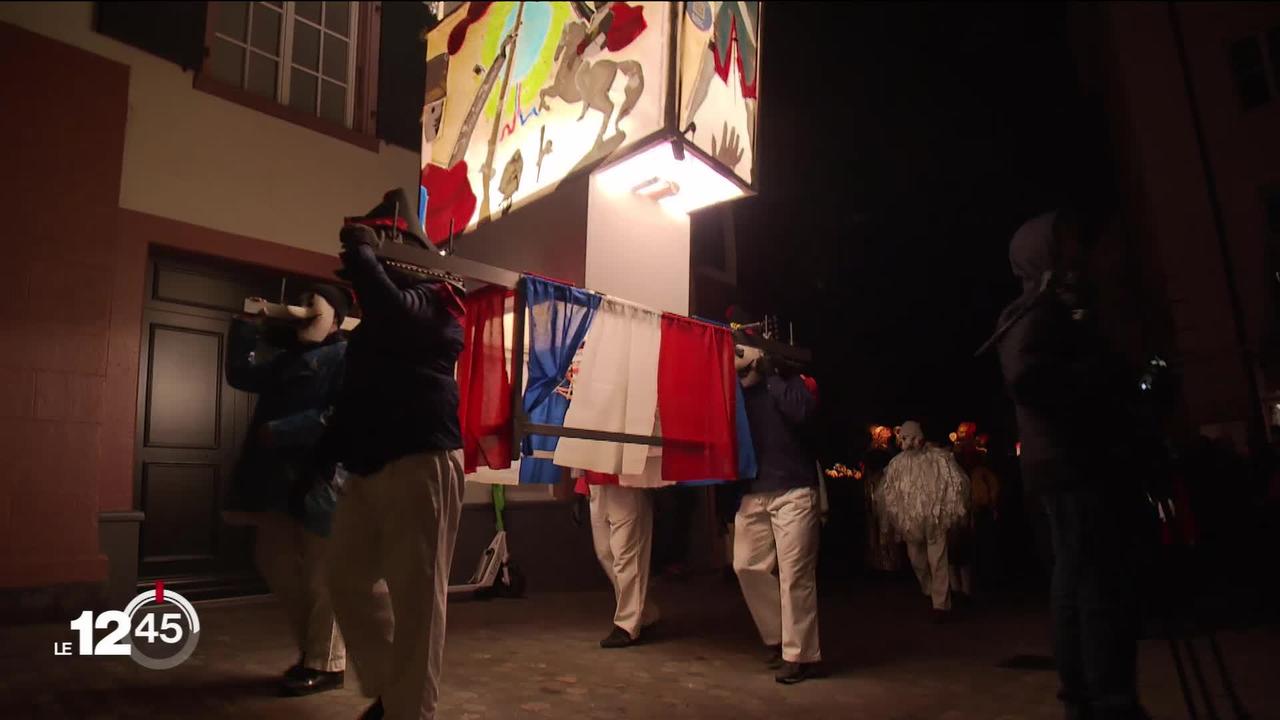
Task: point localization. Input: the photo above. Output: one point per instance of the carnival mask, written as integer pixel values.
(744, 361)
(911, 435)
(322, 320)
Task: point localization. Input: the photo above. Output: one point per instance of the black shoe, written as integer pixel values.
(313, 681)
(296, 671)
(618, 638)
(941, 617)
(791, 673)
(775, 661)
(374, 711)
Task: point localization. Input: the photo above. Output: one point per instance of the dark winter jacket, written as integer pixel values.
(399, 396)
(778, 410)
(1069, 388)
(296, 384)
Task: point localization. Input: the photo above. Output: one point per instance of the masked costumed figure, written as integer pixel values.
(925, 494)
(396, 433)
(776, 528)
(281, 483)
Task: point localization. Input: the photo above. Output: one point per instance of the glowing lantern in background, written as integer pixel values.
(881, 436)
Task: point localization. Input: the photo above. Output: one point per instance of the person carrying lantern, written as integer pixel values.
(776, 529)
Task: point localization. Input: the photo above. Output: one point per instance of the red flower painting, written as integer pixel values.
(450, 200)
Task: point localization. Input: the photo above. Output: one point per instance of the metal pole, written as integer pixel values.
(517, 371)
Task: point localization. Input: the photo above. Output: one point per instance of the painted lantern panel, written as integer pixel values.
(719, 78)
(522, 94)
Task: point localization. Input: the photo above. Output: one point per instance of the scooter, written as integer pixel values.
(495, 575)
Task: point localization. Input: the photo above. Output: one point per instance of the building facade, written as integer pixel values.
(153, 185)
(1190, 92)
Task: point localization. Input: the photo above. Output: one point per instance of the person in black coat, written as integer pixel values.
(396, 434)
(282, 485)
(1066, 381)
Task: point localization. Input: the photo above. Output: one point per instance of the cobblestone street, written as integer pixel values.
(538, 658)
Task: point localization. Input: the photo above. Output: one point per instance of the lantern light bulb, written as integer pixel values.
(678, 186)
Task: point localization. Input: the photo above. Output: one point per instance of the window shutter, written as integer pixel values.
(171, 30)
(402, 72)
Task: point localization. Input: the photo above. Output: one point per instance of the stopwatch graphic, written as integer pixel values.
(159, 629)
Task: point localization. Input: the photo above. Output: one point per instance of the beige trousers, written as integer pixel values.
(291, 560)
(928, 555)
(777, 532)
(622, 531)
(397, 525)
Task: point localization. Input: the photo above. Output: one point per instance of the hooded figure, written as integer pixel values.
(925, 494)
(395, 430)
(1065, 379)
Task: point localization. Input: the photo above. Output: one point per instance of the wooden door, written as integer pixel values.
(191, 425)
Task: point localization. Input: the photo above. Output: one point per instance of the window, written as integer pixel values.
(299, 54)
(1255, 63)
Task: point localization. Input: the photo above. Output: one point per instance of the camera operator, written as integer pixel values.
(1066, 380)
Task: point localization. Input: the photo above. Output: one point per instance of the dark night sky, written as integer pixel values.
(888, 197)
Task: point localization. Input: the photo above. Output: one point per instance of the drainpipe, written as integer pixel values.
(1257, 430)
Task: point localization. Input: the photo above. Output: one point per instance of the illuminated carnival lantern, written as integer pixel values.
(656, 102)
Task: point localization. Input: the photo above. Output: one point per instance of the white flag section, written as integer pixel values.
(651, 477)
(615, 390)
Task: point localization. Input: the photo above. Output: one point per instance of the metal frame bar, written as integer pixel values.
(517, 372)
(462, 267)
(783, 350)
(527, 428)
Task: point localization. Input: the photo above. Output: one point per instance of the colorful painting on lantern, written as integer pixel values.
(719, 81)
(522, 94)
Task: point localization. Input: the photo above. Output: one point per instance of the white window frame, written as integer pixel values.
(284, 61)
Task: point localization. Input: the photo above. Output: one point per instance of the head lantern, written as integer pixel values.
(394, 221)
(881, 437)
(965, 435)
